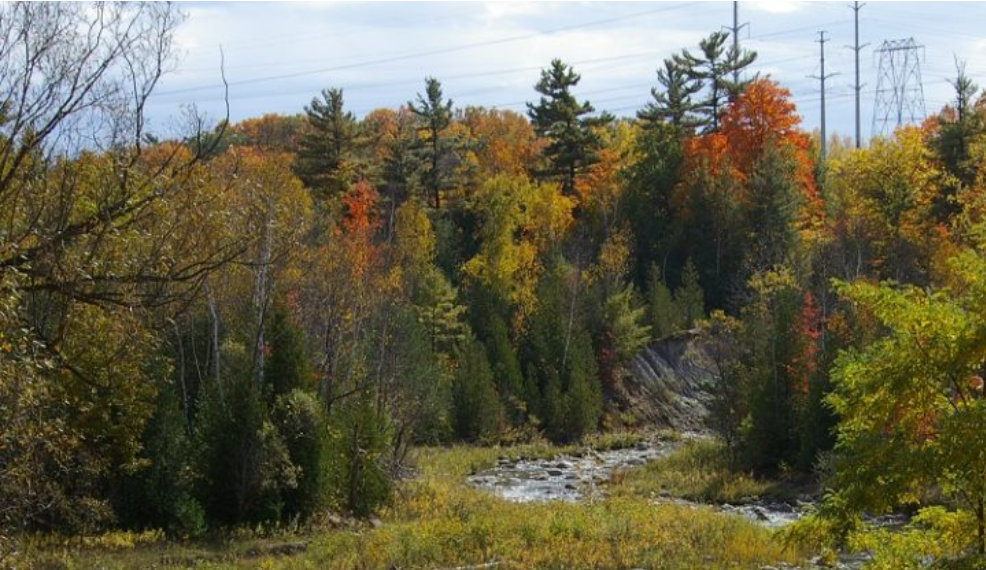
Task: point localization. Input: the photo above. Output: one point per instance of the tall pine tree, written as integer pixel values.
(326, 149)
(434, 114)
(566, 123)
(713, 68)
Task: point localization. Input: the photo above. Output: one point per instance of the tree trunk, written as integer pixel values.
(214, 313)
(260, 295)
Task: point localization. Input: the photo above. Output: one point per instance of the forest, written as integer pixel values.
(261, 322)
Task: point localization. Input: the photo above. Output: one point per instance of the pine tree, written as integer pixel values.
(435, 115)
(673, 102)
(327, 147)
(713, 68)
(565, 122)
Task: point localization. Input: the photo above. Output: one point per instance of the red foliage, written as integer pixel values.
(806, 330)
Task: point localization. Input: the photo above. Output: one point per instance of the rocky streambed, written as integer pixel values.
(566, 477)
(583, 477)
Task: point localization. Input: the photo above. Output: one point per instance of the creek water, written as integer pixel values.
(583, 477)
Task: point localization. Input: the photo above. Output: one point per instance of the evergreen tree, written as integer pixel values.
(300, 420)
(583, 394)
(326, 149)
(624, 320)
(286, 367)
(435, 115)
(476, 405)
(663, 312)
(689, 296)
(673, 102)
(650, 208)
(771, 210)
(506, 368)
(359, 475)
(565, 122)
(713, 68)
(161, 493)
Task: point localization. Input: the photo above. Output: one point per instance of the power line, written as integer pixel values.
(452, 49)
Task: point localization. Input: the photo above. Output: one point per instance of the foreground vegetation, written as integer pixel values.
(256, 324)
(439, 522)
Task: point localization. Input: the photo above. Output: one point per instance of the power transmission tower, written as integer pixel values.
(735, 30)
(899, 90)
(821, 77)
(856, 47)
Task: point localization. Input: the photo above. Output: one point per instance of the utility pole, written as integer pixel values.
(822, 77)
(856, 7)
(735, 30)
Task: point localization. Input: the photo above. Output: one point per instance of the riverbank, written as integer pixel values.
(440, 520)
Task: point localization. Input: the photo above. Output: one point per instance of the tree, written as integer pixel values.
(326, 150)
(287, 366)
(476, 405)
(564, 121)
(689, 296)
(664, 314)
(779, 333)
(673, 103)
(911, 404)
(712, 68)
(435, 115)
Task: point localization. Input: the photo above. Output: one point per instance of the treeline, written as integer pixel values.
(258, 322)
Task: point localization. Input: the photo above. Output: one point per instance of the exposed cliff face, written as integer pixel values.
(663, 385)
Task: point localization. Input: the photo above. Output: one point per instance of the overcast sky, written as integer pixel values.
(279, 55)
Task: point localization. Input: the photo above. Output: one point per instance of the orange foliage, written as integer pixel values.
(270, 132)
(359, 223)
(762, 117)
(507, 143)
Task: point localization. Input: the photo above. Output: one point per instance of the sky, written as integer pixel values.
(279, 55)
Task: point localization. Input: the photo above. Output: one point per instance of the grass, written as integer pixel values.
(439, 522)
(699, 470)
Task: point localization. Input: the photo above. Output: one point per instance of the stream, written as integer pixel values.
(578, 478)
(583, 477)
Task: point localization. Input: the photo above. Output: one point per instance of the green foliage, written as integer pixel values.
(582, 394)
(663, 312)
(914, 398)
(434, 114)
(778, 363)
(564, 121)
(506, 368)
(300, 420)
(715, 69)
(476, 405)
(625, 320)
(160, 493)
(286, 366)
(326, 149)
(358, 471)
(689, 296)
(242, 460)
(673, 104)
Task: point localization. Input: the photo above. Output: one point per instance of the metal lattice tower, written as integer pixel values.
(899, 90)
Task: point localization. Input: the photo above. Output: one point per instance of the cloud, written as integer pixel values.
(778, 6)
